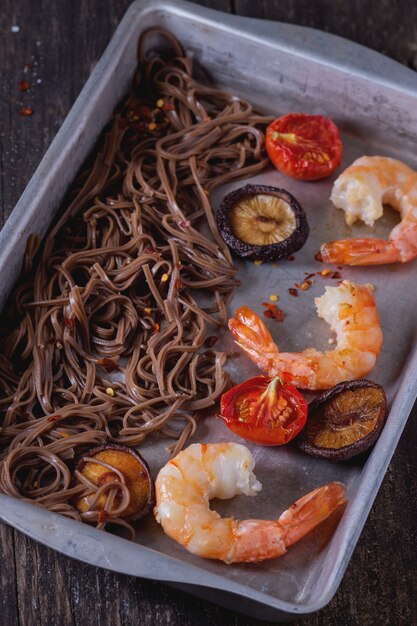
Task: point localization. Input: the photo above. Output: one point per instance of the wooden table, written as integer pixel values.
(61, 41)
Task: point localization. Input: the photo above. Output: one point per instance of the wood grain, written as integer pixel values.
(62, 41)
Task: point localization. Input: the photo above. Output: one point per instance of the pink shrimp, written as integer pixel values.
(361, 190)
(351, 312)
(185, 485)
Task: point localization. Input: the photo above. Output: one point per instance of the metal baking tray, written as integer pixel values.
(279, 68)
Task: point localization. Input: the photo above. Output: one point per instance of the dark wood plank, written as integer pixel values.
(8, 590)
(63, 41)
(386, 26)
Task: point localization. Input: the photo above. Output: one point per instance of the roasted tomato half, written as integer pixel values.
(306, 147)
(264, 410)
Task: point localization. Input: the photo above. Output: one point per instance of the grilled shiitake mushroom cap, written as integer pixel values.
(344, 421)
(135, 471)
(262, 222)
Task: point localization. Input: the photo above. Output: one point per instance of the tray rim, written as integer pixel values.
(385, 72)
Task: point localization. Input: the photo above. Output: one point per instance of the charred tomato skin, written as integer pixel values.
(271, 252)
(305, 147)
(147, 473)
(252, 410)
(316, 421)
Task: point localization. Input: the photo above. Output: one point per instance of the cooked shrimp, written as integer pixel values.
(361, 191)
(187, 482)
(351, 312)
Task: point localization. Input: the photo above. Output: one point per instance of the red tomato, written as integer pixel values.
(306, 147)
(264, 410)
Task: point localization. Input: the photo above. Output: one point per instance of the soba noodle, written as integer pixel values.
(125, 281)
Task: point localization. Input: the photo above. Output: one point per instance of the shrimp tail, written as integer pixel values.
(253, 337)
(360, 251)
(310, 510)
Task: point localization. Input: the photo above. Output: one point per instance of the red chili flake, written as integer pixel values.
(69, 322)
(103, 516)
(24, 85)
(336, 275)
(211, 341)
(108, 364)
(292, 292)
(273, 312)
(308, 276)
(26, 111)
(291, 258)
(143, 126)
(318, 257)
(169, 107)
(296, 285)
(54, 418)
(156, 328)
(178, 283)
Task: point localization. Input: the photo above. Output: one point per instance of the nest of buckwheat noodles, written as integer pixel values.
(125, 281)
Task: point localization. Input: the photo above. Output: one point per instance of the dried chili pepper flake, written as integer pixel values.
(291, 258)
(273, 297)
(318, 257)
(296, 285)
(26, 111)
(211, 341)
(103, 516)
(54, 418)
(273, 312)
(24, 85)
(292, 292)
(156, 328)
(62, 434)
(308, 276)
(336, 275)
(169, 107)
(69, 322)
(108, 364)
(110, 392)
(142, 126)
(152, 126)
(178, 283)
